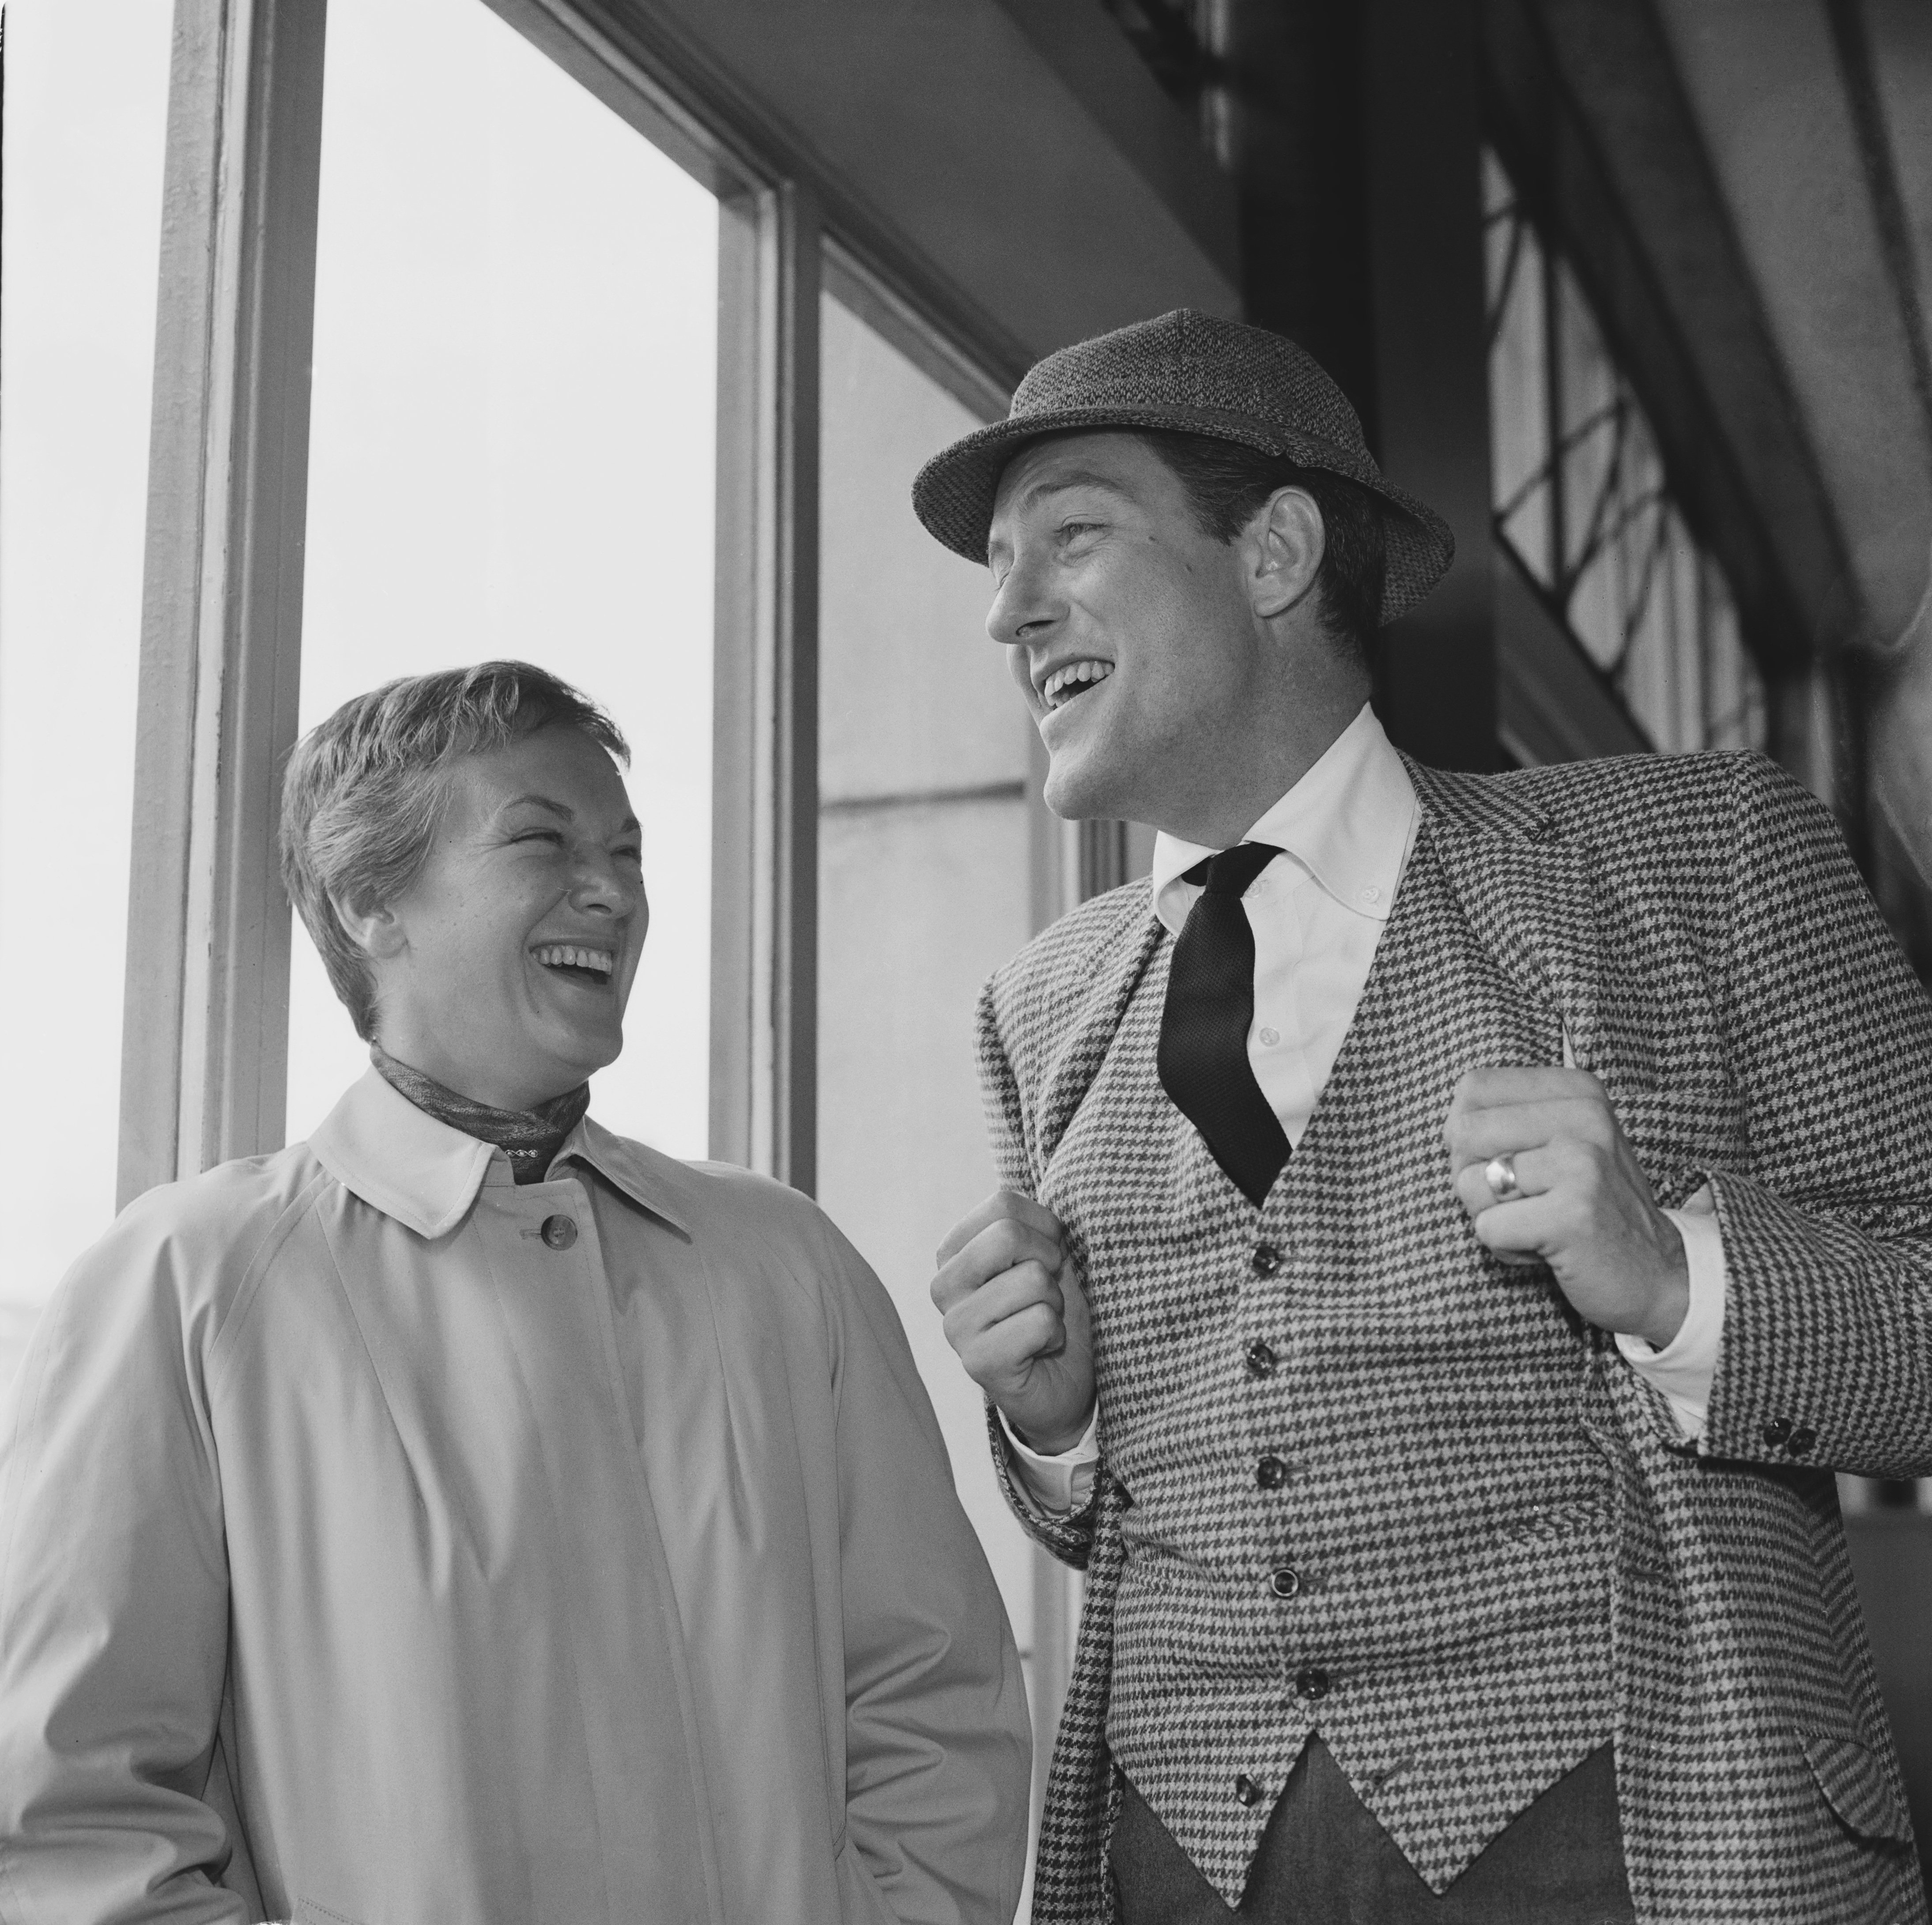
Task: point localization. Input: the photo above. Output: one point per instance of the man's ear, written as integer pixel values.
(374, 928)
(1286, 540)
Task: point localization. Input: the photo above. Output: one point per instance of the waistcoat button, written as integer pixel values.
(1266, 1260)
(1284, 1582)
(1312, 1681)
(1246, 1792)
(1271, 1473)
(1802, 1439)
(1776, 1431)
(1260, 1360)
(560, 1232)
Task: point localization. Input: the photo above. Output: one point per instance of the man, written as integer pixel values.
(1461, 1534)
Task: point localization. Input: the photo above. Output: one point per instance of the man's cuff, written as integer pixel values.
(1058, 1485)
(1685, 1367)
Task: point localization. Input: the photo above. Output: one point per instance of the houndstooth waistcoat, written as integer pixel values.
(1413, 1377)
(1695, 926)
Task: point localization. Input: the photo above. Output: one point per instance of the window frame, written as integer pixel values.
(1559, 697)
(205, 1032)
(204, 1055)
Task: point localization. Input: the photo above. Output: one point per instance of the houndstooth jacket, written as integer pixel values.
(1718, 964)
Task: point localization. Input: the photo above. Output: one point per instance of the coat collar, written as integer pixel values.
(400, 1160)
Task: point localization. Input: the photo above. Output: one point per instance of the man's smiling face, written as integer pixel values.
(1129, 630)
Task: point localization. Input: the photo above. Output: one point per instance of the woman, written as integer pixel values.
(469, 1515)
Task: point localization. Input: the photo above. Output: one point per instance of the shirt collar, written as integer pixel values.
(1348, 821)
(402, 1160)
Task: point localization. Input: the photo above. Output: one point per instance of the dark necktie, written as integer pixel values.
(1203, 1028)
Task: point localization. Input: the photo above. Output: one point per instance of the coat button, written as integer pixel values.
(560, 1232)
(1246, 1792)
(1284, 1582)
(1801, 1440)
(1266, 1260)
(1312, 1681)
(1776, 1431)
(1271, 1473)
(1261, 1360)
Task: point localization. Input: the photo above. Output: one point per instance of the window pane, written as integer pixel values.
(86, 113)
(1647, 605)
(1518, 376)
(511, 454)
(924, 881)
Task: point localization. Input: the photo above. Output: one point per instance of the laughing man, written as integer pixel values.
(1453, 1227)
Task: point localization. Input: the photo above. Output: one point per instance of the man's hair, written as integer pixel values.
(1226, 483)
(365, 791)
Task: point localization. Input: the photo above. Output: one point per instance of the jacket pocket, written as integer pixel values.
(1856, 1786)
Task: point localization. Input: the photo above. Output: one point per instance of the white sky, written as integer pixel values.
(511, 454)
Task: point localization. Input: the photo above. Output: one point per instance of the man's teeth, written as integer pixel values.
(1063, 681)
(555, 953)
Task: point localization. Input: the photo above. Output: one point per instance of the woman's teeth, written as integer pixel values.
(1063, 684)
(571, 955)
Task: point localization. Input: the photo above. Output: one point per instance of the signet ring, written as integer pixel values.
(1499, 1173)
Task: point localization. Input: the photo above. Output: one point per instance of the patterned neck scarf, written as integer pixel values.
(530, 1138)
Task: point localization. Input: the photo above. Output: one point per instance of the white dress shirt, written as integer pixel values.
(1318, 911)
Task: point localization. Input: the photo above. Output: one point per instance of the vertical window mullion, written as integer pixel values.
(202, 1061)
(764, 912)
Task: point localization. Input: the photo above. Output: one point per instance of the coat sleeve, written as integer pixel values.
(939, 1748)
(1826, 1356)
(113, 1607)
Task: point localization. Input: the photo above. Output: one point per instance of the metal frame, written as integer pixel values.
(205, 1023)
(764, 919)
(203, 1074)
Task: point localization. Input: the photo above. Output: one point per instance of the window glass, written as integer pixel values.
(1519, 374)
(511, 454)
(925, 882)
(1584, 503)
(86, 110)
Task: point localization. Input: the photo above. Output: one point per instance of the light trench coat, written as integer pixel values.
(382, 1543)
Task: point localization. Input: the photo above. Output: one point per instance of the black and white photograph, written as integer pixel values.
(967, 962)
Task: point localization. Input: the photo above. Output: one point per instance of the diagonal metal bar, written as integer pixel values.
(1511, 262)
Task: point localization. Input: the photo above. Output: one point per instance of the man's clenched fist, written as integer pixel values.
(1585, 1208)
(1016, 1313)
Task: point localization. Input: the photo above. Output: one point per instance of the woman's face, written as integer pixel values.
(504, 969)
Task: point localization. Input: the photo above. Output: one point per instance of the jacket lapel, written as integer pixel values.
(1532, 896)
(1118, 965)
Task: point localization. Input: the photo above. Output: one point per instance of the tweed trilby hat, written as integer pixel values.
(1200, 375)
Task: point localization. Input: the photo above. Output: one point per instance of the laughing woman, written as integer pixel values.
(468, 1515)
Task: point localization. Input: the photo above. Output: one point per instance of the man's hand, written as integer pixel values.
(1586, 1209)
(1016, 1313)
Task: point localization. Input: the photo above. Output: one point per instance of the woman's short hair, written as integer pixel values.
(1226, 482)
(365, 791)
